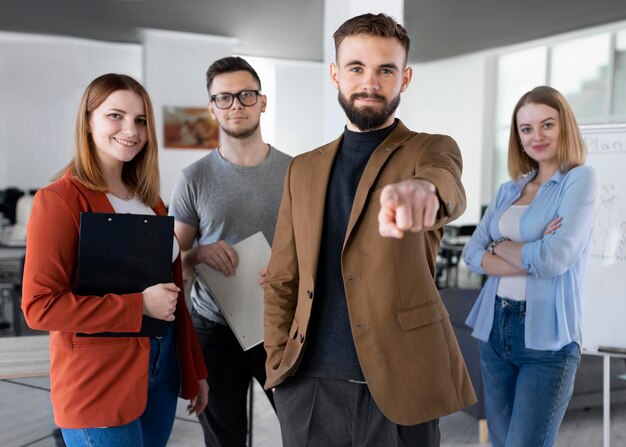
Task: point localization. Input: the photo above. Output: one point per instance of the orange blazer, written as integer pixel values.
(95, 381)
(401, 329)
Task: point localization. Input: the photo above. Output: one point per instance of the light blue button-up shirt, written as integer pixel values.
(556, 263)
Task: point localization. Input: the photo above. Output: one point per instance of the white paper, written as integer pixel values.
(240, 297)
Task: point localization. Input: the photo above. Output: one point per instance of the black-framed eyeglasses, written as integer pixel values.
(246, 98)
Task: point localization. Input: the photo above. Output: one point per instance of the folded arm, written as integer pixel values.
(554, 254)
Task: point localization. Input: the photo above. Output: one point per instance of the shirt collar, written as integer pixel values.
(521, 182)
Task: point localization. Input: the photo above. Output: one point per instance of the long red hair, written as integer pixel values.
(141, 174)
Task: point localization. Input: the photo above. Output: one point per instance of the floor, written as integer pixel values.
(26, 417)
(26, 420)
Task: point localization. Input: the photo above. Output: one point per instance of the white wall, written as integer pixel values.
(293, 119)
(42, 79)
(448, 97)
(299, 125)
(175, 66)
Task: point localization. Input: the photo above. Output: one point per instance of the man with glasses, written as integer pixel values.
(223, 198)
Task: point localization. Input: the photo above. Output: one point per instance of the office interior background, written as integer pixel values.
(472, 60)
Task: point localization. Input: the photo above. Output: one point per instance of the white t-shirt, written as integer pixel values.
(512, 287)
(136, 206)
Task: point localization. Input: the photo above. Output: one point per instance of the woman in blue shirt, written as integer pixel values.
(533, 243)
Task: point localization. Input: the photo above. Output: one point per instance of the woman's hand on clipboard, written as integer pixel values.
(159, 301)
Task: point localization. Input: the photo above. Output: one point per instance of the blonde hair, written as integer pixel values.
(141, 174)
(571, 151)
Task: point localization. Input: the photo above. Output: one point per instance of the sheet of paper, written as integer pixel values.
(240, 297)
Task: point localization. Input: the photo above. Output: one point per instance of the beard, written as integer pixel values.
(368, 118)
(243, 133)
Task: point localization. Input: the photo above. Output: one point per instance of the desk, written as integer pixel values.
(450, 250)
(24, 356)
(606, 403)
(7, 252)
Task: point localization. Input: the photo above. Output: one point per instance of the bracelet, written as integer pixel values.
(492, 246)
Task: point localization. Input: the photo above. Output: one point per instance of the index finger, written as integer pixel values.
(386, 224)
(395, 213)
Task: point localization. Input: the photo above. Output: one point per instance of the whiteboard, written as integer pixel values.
(604, 293)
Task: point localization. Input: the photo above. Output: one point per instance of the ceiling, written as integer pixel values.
(293, 29)
(279, 28)
(445, 28)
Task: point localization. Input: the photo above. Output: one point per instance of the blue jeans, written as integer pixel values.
(154, 426)
(526, 391)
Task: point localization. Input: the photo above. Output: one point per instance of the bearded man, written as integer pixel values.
(360, 349)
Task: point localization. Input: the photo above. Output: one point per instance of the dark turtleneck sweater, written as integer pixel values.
(330, 350)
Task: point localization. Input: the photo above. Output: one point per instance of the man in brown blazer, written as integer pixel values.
(360, 349)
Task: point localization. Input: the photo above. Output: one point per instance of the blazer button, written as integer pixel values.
(309, 294)
(301, 338)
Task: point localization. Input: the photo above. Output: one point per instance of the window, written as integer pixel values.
(619, 80)
(517, 73)
(501, 153)
(580, 70)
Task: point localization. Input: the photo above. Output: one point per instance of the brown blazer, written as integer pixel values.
(95, 381)
(401, 329)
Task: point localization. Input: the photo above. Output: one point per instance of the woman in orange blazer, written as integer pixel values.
(109, 391)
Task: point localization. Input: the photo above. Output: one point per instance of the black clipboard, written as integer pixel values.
(124, 253)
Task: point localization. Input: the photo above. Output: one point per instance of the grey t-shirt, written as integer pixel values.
(228, 202)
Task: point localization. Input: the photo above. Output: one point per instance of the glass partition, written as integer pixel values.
(518, 73)
(619, 80)
(580, 70)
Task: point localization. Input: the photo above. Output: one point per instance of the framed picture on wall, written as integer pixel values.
(189, 128)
